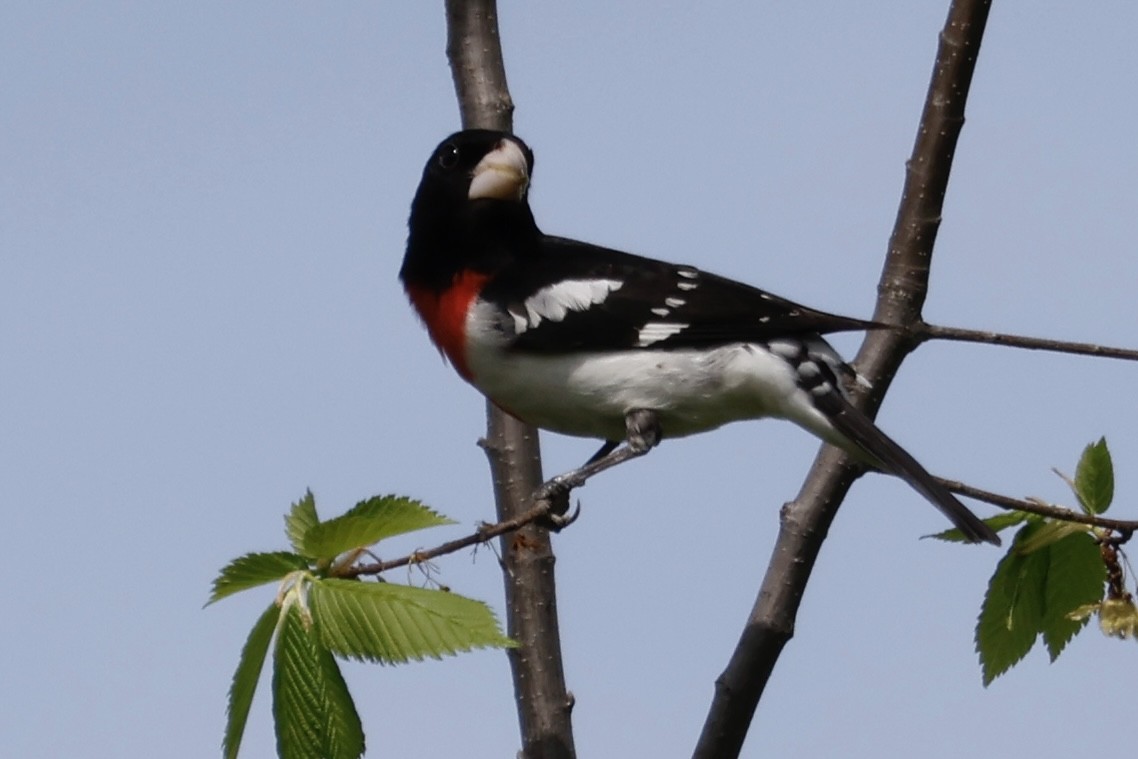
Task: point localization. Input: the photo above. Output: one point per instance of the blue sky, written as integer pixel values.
(202, 213)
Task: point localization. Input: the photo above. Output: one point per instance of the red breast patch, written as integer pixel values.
(444, 315)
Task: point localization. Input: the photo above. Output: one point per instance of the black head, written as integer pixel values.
(479, 164)
(471, 208)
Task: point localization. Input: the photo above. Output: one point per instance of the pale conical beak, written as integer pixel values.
(503, 174)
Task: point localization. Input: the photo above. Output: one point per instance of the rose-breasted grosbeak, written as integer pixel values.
(589, 341)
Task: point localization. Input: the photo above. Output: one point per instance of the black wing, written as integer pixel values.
(655, 305)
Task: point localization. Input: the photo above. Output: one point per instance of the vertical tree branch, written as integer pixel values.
(544, 705)
(474, 51)
(901, 294)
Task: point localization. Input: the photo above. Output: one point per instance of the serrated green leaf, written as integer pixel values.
(245, 680)
(1085, 612)
(997, 523)
(369, 522)
(254, 569)
(1094, 478)
(1049, 532)
(300, 519)
(1012, 613)
(1076, 575)
(313, 711)
(392, 623)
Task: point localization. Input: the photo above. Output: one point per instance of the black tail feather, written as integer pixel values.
(862, 432)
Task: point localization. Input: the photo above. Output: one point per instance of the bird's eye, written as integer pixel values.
(448, 156)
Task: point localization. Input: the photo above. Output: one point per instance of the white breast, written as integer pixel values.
(588, 394)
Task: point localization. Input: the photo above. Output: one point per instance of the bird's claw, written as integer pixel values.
(559, 521)
(555, 494)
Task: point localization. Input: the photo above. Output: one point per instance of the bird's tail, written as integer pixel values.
(863, 433)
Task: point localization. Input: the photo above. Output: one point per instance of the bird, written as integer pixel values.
(593, 342)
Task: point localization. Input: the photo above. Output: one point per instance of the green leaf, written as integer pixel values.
(313, 711)
(1050, 531)
(245, 680)
(1039, 587)
(254, 569)
(1012, 613)
(1076, 575)
(300, 519)
(997, 523)
(1094, 478)
(369, 522)
(392, 623)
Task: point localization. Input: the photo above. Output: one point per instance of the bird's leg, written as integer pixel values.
(605, 450)
(642, 429)
(643, 432)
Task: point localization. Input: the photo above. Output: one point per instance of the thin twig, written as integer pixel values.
(936, 332)
(544, 504)
(1038, 507)
(484, 533)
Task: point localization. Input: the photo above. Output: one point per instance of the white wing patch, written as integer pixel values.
(556, 301)
(788, 349)
(654, 332)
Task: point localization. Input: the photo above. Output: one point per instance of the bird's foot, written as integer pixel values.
(555, 495)
(643, 429)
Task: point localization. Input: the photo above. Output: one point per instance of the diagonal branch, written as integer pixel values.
(901, 294)
(544, 704)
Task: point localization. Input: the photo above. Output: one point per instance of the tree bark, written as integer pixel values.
(901, 295)
(544, 705)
